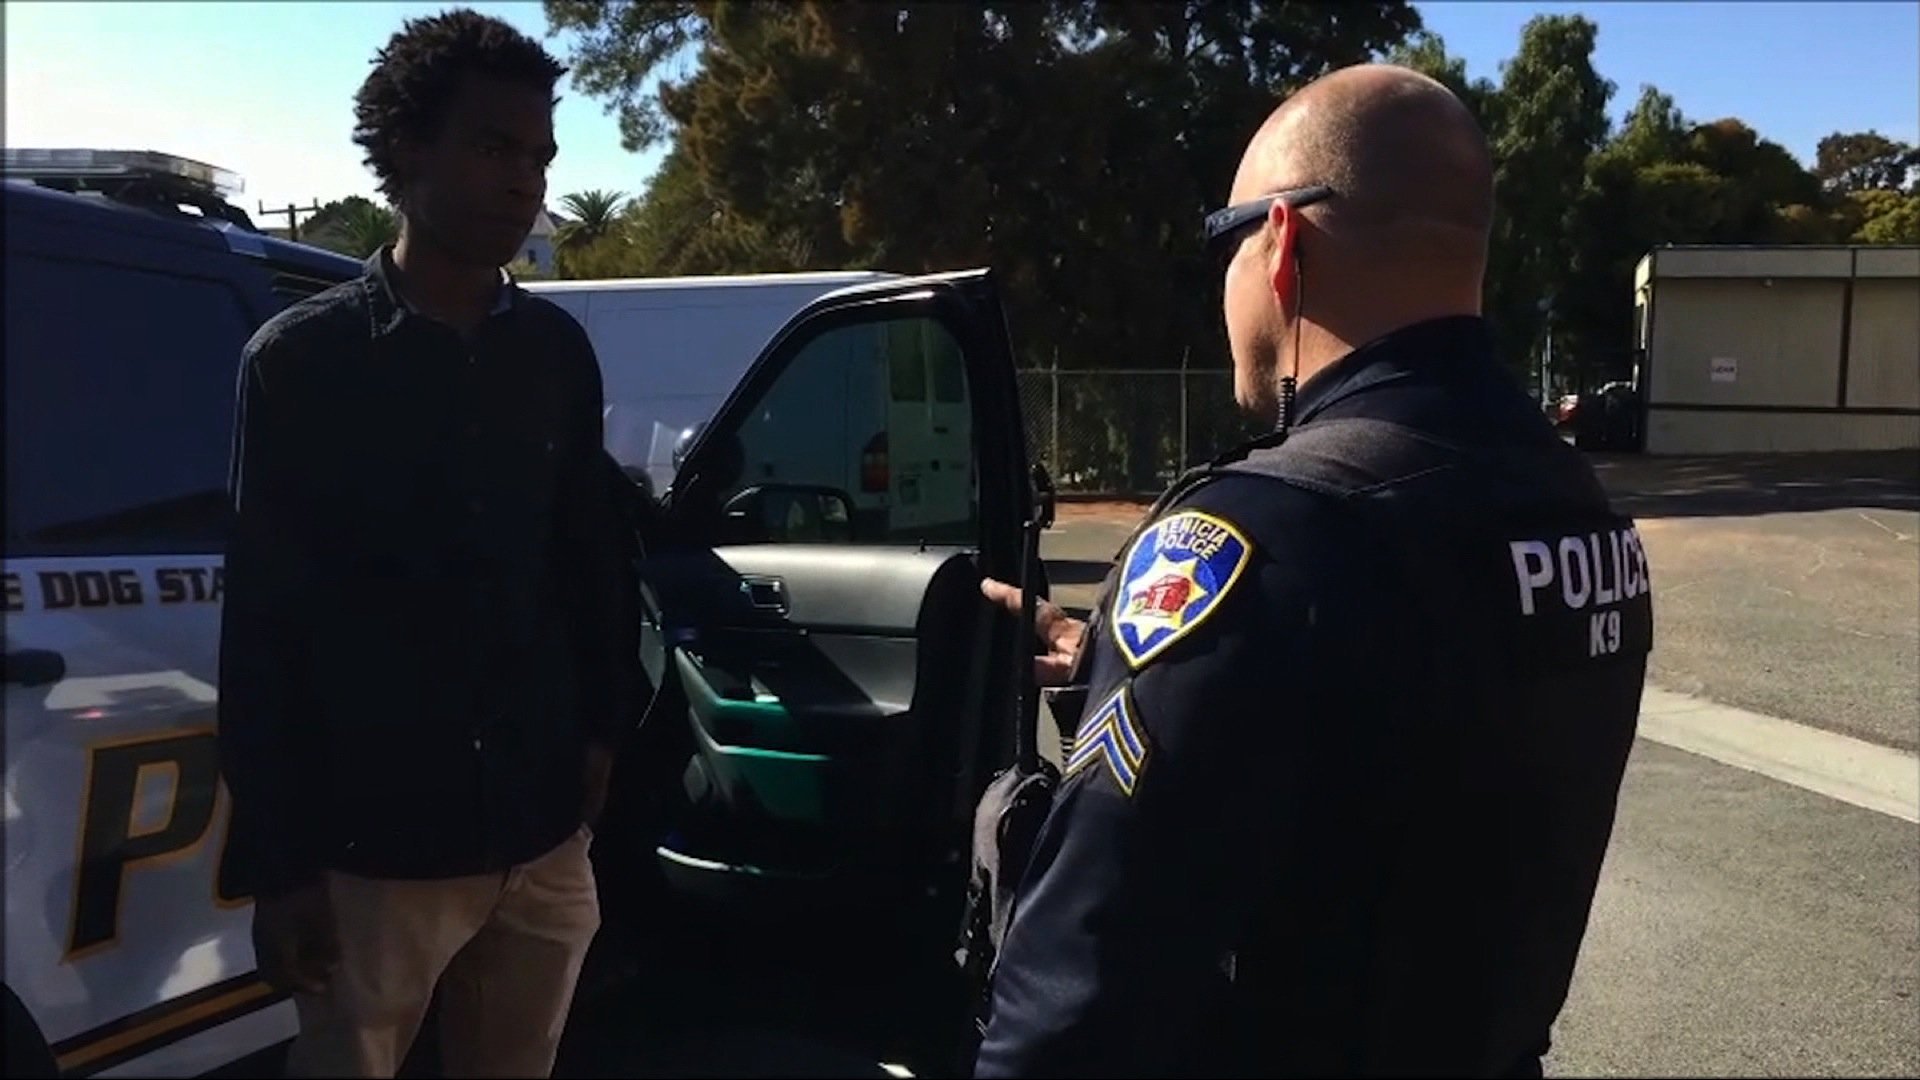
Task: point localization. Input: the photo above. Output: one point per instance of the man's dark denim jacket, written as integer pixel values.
(429, 600)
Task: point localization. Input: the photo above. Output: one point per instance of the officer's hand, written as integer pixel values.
(295, 941)
(1057, 630)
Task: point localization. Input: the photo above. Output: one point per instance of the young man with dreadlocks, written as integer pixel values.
(427, 653)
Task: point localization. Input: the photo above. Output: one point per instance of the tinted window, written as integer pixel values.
(119, 406)
(835, 430)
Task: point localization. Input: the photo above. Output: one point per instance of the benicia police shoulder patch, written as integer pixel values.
(1175, 576)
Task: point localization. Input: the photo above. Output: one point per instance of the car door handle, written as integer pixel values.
(765, 593)
(35, 667)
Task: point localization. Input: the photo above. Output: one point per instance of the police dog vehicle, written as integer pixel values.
(132, 284)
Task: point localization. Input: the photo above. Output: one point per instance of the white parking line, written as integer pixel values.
(1838, 766)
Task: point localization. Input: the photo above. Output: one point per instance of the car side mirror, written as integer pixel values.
(685, 443)
(789, 513)
(723, 460)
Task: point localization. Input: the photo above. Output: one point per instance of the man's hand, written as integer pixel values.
(295, 942)
(1058, 631)
(599, 771)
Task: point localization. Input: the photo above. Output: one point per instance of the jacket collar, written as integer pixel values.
(387, 308)
(1394, 356)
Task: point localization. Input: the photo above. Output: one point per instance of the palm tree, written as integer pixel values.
(365, 227)
(595, 214)
(355, 226)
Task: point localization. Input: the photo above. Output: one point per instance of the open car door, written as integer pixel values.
(813, 613)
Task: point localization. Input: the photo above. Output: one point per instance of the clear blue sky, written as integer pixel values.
(265, 89)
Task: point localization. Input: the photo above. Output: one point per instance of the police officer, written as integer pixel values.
(1360, 694)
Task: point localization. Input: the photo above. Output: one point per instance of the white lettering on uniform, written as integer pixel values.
(1573, 552)
(1601, 593)
(1532, 569)
(1587, 577)
(1603, 633)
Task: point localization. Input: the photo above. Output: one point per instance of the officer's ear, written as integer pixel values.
(1284, 223)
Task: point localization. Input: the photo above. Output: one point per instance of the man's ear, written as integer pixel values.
(1284, 221)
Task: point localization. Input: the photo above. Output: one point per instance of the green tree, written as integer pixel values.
(355, 226)
(1762, 177)
(677, 227)
(1881, 216)
(594, 215)
(1863, 161)
(1553, 110)
(1808, 224)
(1654, 130)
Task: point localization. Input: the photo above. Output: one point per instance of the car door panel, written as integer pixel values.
(815, 724)
(842, 695)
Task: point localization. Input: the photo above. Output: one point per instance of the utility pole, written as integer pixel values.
(291, 212)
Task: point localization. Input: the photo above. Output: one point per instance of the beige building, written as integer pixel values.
(1747, 349)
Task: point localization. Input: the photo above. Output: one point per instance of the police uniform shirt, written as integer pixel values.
(1319, 817)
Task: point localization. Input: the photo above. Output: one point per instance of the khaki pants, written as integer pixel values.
(504, 949)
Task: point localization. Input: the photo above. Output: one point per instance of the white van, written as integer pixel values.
(671, 349)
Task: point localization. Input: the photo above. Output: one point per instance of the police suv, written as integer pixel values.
(841, 688)
(131, 286)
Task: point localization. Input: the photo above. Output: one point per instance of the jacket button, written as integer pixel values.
(476, 744)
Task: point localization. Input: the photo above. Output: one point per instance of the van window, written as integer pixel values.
(906, 362)
(841, 417)
(119, 408)
(949, 370)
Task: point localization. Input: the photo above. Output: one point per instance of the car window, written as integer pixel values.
(846, 445)
(119, 408)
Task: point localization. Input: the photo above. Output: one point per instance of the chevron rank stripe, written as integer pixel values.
(1109, 734)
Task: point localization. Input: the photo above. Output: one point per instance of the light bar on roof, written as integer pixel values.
(120, 164)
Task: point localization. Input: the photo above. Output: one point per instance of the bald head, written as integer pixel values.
(1410, 165)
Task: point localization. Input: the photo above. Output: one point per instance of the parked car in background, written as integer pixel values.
(1607, 418)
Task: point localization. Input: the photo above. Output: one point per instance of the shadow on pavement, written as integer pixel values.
(1744, 484)
(711, 996)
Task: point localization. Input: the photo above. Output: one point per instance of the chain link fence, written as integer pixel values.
(1128, 433)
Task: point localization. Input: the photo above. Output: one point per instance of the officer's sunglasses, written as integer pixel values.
(1229, 226)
